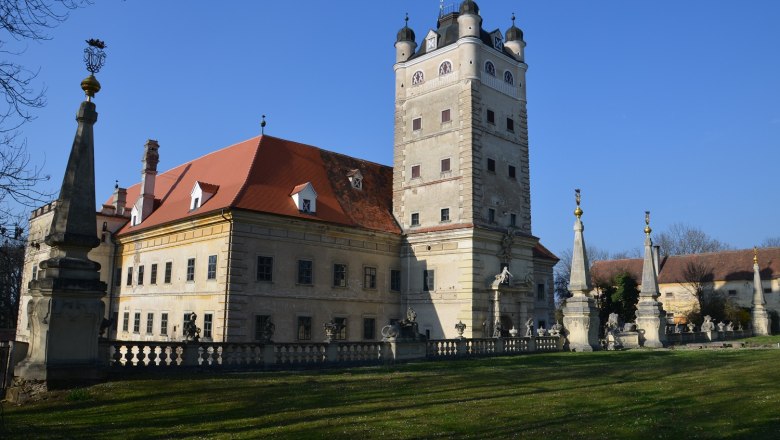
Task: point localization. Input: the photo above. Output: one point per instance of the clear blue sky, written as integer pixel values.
(666, 105)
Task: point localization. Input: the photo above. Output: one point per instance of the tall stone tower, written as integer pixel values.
(461, 189)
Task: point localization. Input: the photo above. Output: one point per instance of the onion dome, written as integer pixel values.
(406, 33)
(513, 33)
(469, 7)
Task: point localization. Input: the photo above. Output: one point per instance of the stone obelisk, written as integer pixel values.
(580, 315)
(66, 310)
(650, 315)
(761, 321)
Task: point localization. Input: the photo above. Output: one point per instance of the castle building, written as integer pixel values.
(273, 231)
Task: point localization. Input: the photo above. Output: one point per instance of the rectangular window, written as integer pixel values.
(512, 219)
(140, 275)
(415, 219)
(190, 269)
(261, 321)
(369, 328)
(510, 124)
(369, 277)
(512, 172)
(341, 329)
(732, 292)
(168, 270)
(304, 328)
(445, 165)
(395, 280)
(208, 322)
(149, 323)
(164, 324)
(126, 322)
(35, 272)
(211, 273)
(445, 214)
(491, 117)
(542, 324)
(340, 275)
(118, 276)
(445, 115)
(669, 294)
(137, 322)
(491, 215)
(265, 268)
(491, 165)
(540, 293)
(305, 272)
(767, 290)
(428, 280)
(415, 171)
(416, 123)
(129, 276)
(154, 274)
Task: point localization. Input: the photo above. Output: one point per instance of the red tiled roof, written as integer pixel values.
(725, 266)
(539, 251)
(208, 187)
(259, 175)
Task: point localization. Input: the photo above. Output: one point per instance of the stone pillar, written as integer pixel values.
(66, 310)
(761, 321)
(580, 315)
(650, 315)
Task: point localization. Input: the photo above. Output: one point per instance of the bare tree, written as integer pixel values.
(683, 239)
(562, 270)
(11, 266)
(698, 279)
(771, 242)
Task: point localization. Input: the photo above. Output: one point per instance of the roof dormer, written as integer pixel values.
(497, 39)
(305, 198)
(355, 179)
(431, 41)
(201, 193)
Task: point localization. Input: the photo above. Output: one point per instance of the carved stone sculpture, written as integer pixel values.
(529, 327)
(191, 331)
(708, 325)
(691, 326)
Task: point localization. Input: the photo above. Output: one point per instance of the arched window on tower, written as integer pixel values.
(418, 78)
(445, 68)
(490, 69)
(508, 78)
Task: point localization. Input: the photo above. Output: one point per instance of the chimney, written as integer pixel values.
(657, 259)
(145, 203)
(120, 200)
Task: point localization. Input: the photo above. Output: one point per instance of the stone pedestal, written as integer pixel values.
(581, 321)
(651, 323)
(405, 350)
(762, 323)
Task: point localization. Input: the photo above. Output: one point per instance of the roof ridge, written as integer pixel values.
(244, 185)
(328, 151)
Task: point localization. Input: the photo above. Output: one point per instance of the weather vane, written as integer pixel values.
(262, 126)
(578, 211)
(95, 58)
(647, 223)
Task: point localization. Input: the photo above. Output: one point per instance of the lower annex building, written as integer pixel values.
(270, 230)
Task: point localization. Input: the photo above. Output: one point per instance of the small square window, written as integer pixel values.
(510, 124)
(306, 205)
(491, 165)
(767, 290)
(669, 294)
(512, 219)
(445, 165)
(491, 215)
(445, 115)
(339, 275)
(304, 328)
(190, 269)
(369, 277)
(416, 123)
(512, 172)
(445, 214)
(491, 117)
(416, 219)
(732, 292)
(395, 280)
(415, 171)
(428, 280)
(305, 272)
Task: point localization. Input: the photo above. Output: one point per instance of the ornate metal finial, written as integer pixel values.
(406, 20)
(647, 223)
(755, 255)
(95, 58)
(578, 211)
(262, 126)
(116, 184)
(513, 19)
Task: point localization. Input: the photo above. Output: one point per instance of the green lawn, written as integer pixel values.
(636, 394)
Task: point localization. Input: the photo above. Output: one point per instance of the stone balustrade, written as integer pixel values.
(445, 348)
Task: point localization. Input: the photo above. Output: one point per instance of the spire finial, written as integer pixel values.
(262, 126)
(406, 20)
(647, 223)
(578, 211)
(116, 184)
(513, 19)
(755, 255)
(95, 58)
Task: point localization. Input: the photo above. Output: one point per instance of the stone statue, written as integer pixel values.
(721, 326)
(629, 327)
(677, 328)
(460, 327)
(556, 329)
(268, 331)
(691, 326)
(411, 315)
(612, 322)
(331, 328)
(739, 326)
(707, 325)
(191, 331)
(529, 327)
(513, 332)
(730, 326)
(541, 331)
(504, 276)
(506, 246)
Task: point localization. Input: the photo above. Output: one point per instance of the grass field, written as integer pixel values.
(636, 394)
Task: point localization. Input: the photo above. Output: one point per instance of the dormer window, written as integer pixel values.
(430, 41)
(201, 193)
(305, 198)
(418, 78)
(498, 40)
(355, 179)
